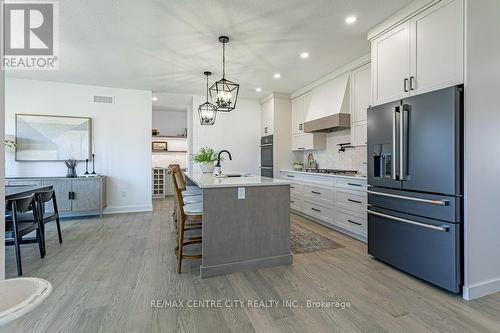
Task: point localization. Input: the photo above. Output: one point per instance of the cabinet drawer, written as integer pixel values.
(296, 189)
(296, 203)
(351, 184)
(318, 194)
(351, 200)
(354, 222)
(25, 182)
(319, 211)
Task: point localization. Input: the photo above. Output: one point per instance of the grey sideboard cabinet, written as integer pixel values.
(82, 196)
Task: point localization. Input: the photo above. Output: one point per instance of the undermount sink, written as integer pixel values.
(21, 295)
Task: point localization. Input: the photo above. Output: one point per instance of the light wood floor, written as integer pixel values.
(108, 270)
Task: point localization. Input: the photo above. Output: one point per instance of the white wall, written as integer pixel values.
(237, 131)
(2, 170)
(170, 123)
(121, 131)
(482, 148)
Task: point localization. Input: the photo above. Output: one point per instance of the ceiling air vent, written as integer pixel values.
(103, 99)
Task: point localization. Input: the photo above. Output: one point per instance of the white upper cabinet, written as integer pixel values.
(421, 54)
(300, 105)
(437, 47)
(360, 93)
(391, 65)
(267, 118)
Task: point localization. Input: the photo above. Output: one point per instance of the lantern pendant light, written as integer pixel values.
(207, 111)
(224, 93)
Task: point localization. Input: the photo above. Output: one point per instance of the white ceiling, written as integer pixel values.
(166, 45)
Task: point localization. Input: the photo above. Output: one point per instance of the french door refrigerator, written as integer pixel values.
(415, 193)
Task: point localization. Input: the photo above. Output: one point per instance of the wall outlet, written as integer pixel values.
(241, 193)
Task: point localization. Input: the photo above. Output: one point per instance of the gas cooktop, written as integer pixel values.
(333, 171)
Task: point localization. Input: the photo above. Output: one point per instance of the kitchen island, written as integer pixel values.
(246, 223)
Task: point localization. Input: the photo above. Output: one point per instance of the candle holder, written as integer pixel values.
(93, 164)
(86, 167)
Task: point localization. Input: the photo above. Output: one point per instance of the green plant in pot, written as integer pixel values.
(205, 158)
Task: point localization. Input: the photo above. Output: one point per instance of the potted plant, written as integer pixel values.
(206, 158)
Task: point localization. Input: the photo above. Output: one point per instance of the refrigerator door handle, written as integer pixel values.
(395, 145)
(418, 224)
(432, 202)
(403, 144)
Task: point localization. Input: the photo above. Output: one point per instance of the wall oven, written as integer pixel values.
(266, 156)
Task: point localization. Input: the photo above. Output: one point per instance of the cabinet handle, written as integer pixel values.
(315, 192)
(405, 84)
(291, 201)
(356, 223)
(300, 127)
(300, 148)
(290, 176)
(412, 79)
(292, 186)
(69, 195)
(316, 210)
(265, 130)
(352, 184)
(355, 201)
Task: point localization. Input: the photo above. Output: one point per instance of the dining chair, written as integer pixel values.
(25, 206)
(48, 197)
(190, 218)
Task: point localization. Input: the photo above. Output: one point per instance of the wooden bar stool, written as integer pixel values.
(189, 218)
(190, 196)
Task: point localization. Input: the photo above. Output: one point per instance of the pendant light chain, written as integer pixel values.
(207, 87)
(223, 60)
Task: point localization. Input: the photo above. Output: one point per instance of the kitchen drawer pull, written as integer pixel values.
(355, 201)
(423, 225)
(291, 201)
(315, 192)
(432, 202)
(292, 186)
(301, 148)
(356, 223)
(290, 176)
(353, 184)
(316, 210)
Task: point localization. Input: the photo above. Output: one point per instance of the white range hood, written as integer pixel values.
(329, 108)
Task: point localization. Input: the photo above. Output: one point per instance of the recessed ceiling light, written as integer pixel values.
(154, 98)
(304, 55)
(350, 19)
(258, 89)
(277, 75)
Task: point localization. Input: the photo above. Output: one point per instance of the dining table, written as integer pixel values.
(19, 191)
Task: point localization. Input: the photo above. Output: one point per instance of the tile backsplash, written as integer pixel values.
(331, 158)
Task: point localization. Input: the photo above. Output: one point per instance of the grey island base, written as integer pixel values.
(246, 223)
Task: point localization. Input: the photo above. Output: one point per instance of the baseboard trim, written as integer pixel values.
(481, 289)
(128, 209)
(248, 265)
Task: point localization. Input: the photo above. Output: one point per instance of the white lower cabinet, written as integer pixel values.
(338, 202)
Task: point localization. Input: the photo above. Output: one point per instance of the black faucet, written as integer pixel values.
(218, 157)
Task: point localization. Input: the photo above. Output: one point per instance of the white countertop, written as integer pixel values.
(210, 181)
(324, 174)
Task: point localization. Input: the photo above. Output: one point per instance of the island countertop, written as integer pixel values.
(211, 181)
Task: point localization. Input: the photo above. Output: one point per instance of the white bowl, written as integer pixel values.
(21, 295)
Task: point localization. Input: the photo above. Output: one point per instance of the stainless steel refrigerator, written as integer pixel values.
(415, 193)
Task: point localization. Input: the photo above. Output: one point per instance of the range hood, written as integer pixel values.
(331, 123)
(329, 108)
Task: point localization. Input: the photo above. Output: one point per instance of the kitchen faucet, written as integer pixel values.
(218, 170)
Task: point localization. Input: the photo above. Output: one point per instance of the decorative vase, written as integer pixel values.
(71, 172)
(207, 167)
